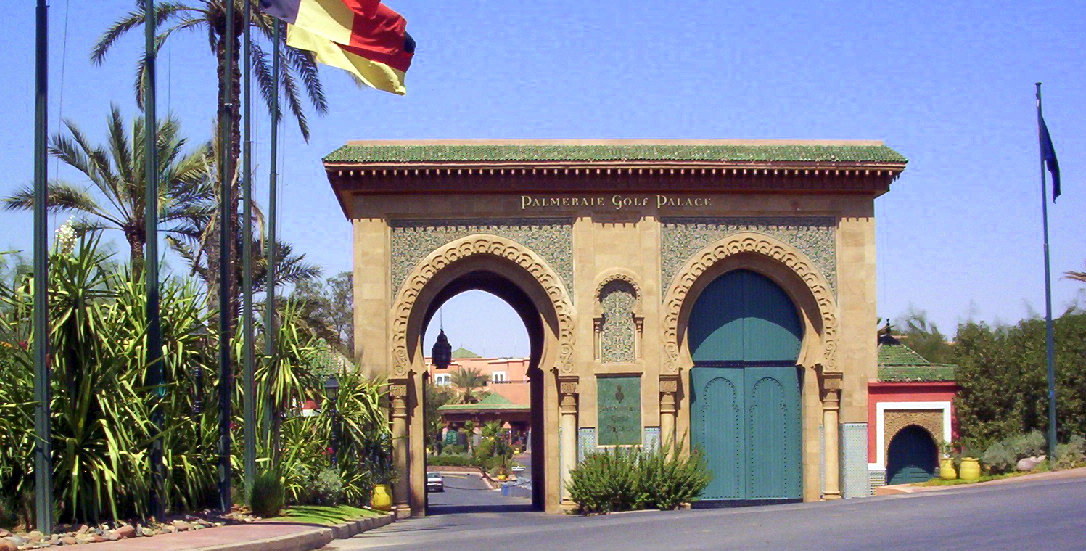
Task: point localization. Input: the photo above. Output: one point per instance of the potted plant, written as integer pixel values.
(969, 469)
(379, 458)
(946, 463)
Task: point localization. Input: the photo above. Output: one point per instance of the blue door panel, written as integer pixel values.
(744, 335)
(717, 407)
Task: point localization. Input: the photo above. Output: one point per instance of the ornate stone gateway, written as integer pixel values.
(604, 249)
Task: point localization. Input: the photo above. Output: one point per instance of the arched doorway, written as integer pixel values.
(744, 336)
(505, 289)
(911, 456)
(526, 282)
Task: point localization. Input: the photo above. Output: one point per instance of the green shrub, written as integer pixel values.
(326, 488)
(454, 449)
(1071, 453)
(461, 460)
(625, 479)
(606, 482)
(1002, 456)
(669, 480)
(267, 496)
(1029, 444)
(999, 458)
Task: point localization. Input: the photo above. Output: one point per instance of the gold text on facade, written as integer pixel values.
(616, 202)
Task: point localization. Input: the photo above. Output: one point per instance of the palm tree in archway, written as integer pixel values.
(468, 380)
(116, 171)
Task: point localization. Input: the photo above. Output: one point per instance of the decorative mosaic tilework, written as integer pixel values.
(586, 442)
(822, 454)
(550, 238)
(854, 472)
(619, 331)
(651, 438)
(682, 237)
(876, 478)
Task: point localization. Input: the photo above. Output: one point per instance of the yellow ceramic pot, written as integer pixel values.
(946, 469)
(382, 499)
(970, 468)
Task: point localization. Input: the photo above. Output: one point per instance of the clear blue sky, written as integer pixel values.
(948, 84)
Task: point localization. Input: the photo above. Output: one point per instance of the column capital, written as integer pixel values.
(568, 385)
(398, 395)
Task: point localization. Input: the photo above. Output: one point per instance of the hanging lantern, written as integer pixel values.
(442, 352)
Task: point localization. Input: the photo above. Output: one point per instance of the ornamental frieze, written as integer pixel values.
(682, 237)
(413, 240)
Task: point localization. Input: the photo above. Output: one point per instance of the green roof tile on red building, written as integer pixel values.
(899, 363)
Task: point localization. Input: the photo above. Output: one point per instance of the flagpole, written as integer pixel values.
(249, 390)
(226, 217)
(1050, 360)
(155, 372)
(269, 301)
(43, 464)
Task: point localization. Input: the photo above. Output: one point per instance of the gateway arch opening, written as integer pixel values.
(483, 411)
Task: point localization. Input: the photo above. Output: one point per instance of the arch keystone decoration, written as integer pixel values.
(462, 249)
(782, 253)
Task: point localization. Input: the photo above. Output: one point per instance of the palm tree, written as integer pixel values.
(467, 380)
(209, 16)
(116, 170)
(1077, 276)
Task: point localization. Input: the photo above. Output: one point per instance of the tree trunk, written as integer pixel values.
(232, 308)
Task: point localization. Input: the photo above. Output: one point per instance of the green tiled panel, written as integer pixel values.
(854, 474)
(619, 410)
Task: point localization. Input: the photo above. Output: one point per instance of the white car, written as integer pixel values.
(434, 482)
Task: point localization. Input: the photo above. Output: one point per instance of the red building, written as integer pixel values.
(910, 415)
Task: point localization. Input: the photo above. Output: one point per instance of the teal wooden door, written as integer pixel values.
(911, 456)
(717, 427)
(744, 335)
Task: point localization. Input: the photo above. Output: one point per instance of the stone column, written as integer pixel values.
(567, 406)
(669, 407)
(831, 406)
(401, 492)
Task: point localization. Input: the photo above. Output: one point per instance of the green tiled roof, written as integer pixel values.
(406, 153)
(898, 355)
(932, 373)
(899, 363)
(491, 401)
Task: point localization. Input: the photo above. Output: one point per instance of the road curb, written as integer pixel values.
(305, 541)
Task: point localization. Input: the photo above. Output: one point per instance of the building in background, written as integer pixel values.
(910, 415)
(506, 396)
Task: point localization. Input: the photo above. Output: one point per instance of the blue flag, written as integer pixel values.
(1048, 153)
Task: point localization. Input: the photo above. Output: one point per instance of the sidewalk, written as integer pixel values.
(256, 536)
(1049, 475)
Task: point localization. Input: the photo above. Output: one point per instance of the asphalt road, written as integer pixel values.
(465, 493)
(1039, 515)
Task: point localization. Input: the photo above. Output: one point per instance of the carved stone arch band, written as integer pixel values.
(773, 249)
(461, 249)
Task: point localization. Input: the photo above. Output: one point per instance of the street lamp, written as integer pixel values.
(202, 334)
(331, 392)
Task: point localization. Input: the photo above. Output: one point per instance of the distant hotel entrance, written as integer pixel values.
(719, 294)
